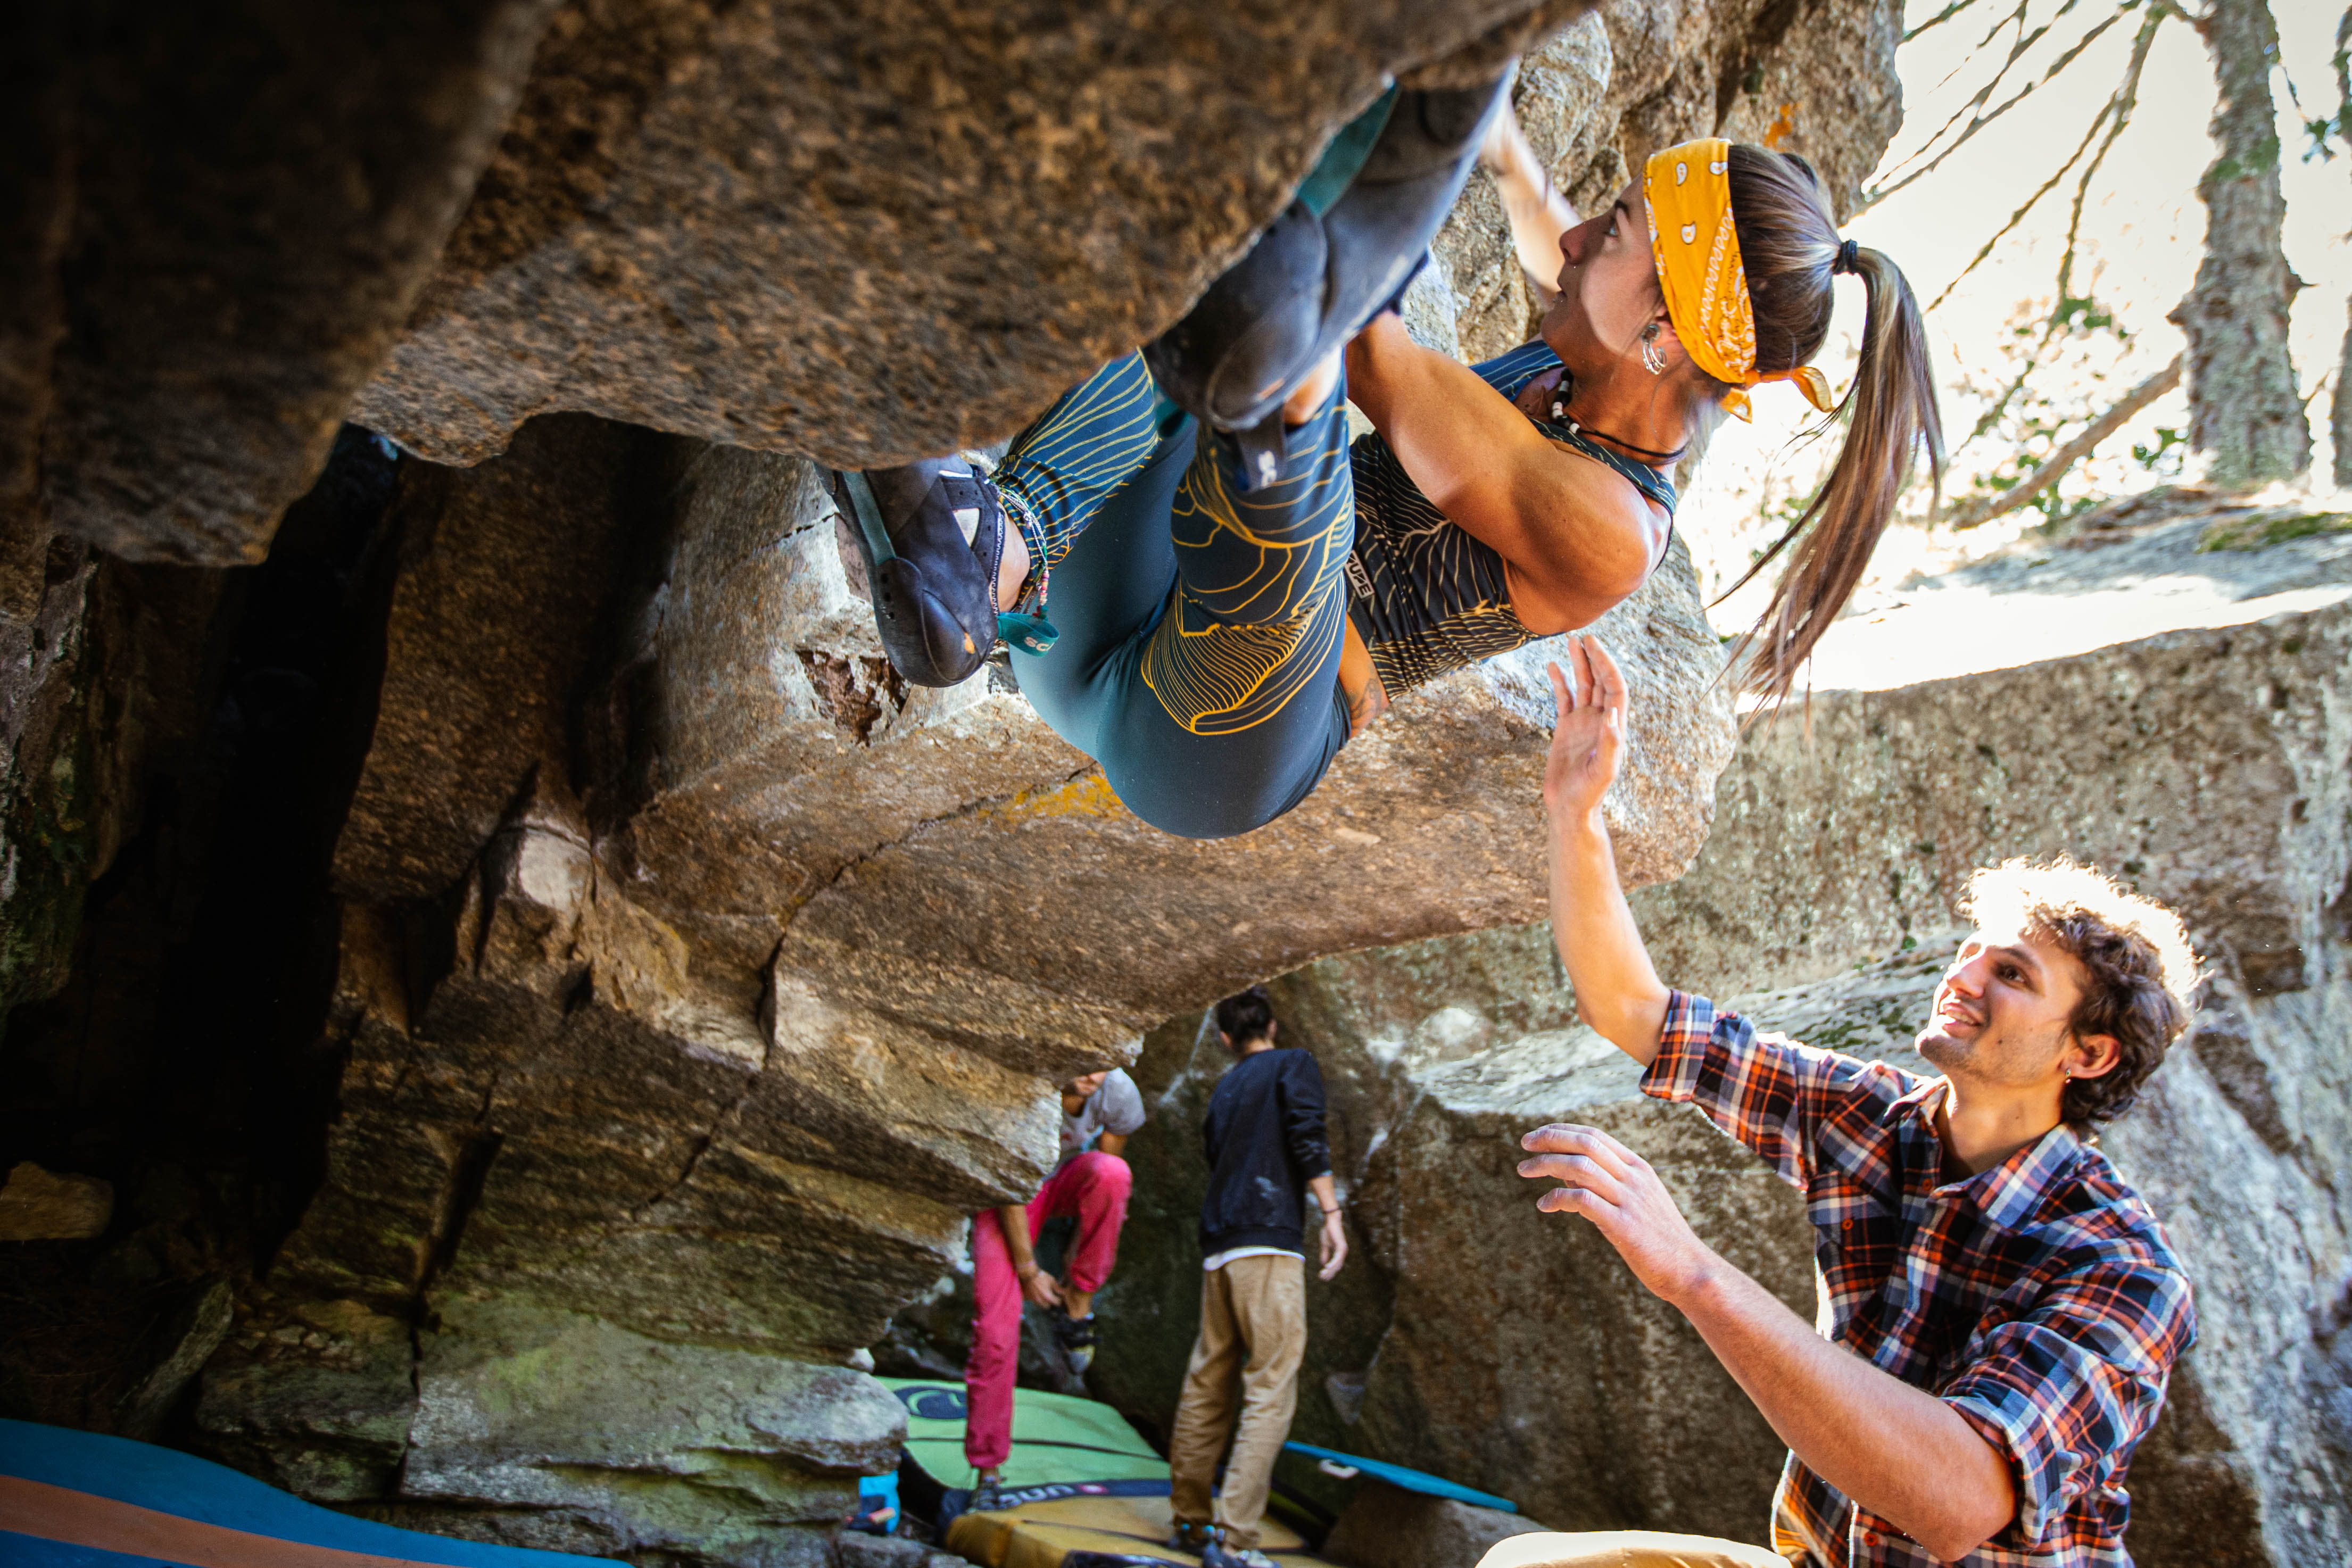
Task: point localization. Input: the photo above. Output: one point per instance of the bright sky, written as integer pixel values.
(2143, 225)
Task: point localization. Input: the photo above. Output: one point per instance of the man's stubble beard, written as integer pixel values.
(1988, 1059)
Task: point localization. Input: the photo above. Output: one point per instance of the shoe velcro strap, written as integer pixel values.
(962, 492)
(869, 513)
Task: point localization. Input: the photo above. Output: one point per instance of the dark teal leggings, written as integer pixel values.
(1200, 624)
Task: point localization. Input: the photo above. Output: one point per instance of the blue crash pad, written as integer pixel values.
(178, 1503)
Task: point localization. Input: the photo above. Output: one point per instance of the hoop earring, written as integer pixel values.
(1654, 357)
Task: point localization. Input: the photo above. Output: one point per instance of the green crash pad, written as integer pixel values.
(1057, 1437)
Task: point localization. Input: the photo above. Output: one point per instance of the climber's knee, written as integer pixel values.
(1105, 1172)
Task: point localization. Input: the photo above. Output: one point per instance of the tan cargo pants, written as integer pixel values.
(1252, 1337)
(1627, 1549)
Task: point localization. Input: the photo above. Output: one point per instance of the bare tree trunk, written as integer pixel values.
(2339, 413)
(2245, 411)
(2339, 421)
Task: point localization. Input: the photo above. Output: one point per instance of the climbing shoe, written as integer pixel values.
(1191, 1535)
(932, 536)
(1075, 1335)
(1341, 251)
(986, 1498)
(1216, 1553)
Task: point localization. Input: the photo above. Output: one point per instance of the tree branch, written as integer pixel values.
(1940, 18)
(2074, 451)
(2127, 99)
(1871, 197)
(2030, 202)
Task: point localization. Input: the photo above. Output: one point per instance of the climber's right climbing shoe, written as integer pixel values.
(932, 535)
(1334, 259)
(1191, 1535)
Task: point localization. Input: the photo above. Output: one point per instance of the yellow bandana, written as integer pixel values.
(1697, 248)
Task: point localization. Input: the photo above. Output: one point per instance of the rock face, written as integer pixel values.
(870, 233)
(746, 1100)
(218, 221)
(1388, 1527)
(862, 232)
(1482, 1341)
(549, 936)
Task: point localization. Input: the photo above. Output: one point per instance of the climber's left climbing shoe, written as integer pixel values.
(932, 535)
(1339, 254)
(1075, 1336)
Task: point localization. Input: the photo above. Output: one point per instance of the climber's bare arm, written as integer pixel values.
(1898, 1450)
(1035, 1283)
(1575, 537)
(1539, 215)
(1617, 990)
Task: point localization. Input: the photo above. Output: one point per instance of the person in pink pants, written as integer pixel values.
(1098, 1112)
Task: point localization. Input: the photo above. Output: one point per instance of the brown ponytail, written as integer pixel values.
(1789, 241)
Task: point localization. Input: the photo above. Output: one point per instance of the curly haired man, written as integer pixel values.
(2000, 1309)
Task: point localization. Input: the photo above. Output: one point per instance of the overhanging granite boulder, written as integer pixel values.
(870, 232)
(922, 916)
(856, 231)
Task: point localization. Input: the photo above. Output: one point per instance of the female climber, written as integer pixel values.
(1207, 591)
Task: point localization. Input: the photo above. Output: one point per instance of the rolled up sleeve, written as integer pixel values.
(1766, 1091)
(2067, 1392)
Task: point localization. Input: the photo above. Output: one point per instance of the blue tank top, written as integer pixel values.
(1426, 597)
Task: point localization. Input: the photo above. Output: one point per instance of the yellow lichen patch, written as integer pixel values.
(1088, 795)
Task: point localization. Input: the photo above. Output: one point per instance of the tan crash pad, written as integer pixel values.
(1040, 1534)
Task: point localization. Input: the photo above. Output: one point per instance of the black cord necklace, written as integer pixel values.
(1559, 416)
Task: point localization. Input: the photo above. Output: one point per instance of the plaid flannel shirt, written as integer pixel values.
(2039, 1298)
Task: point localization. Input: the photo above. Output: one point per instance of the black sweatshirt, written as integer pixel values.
(1263, 1138)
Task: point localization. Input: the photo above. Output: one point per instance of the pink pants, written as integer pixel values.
(1094, 1186)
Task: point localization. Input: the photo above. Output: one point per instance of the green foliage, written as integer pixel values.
(2164, 458)
(2054, 370)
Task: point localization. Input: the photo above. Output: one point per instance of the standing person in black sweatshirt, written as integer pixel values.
(1263, 1138)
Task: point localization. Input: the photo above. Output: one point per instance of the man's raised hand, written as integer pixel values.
(1615, 1188)
(1588, 736)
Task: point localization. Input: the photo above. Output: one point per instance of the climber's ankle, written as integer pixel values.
(1313, 392)
(1013, 569)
